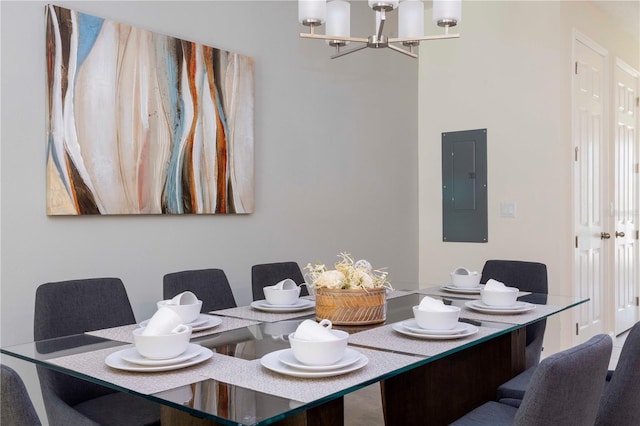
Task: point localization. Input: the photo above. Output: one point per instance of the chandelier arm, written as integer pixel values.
(346, 52)
(383, 17)
(424, 38)
(330, 38)
(405, 52)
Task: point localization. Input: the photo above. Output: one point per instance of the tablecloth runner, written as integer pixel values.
(386, 338)
(253, 375)
(124, 333)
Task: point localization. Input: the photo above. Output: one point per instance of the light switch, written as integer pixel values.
(508, 209)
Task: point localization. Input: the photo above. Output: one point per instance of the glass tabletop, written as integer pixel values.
(229, 403)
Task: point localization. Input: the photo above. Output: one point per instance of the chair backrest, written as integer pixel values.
(620, 403)
(567, 386)
(73, 307)
(527, 276)
(16, 407)
(267, 274)
(210, 285)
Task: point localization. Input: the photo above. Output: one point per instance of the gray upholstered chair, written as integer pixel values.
(620, 403)
(271, 273)
(210, 285)
(16, 407)
(72, 307)
(565, 390)
(527, 276)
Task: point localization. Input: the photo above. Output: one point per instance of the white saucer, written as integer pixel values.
(469, 330)
(115, 361)
(518, 308)
(210, 323)
(412, 325)
(350, 356)
(272, 362)
(462, 290)
(202, 319)
(132, 355)
(300, 305)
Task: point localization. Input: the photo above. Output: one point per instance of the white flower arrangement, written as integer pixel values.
(347, 275)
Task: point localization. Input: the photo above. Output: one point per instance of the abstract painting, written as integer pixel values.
(143, 123)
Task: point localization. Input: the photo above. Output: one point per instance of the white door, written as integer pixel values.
(589, 188)
(625, 207)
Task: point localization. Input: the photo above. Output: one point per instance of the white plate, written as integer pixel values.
(115, 361)
(132, 355)
(210, 323)
(286, 357)
(272, 362)
(300, 305)
(470, 329)
(462, 290)
(412, 325)
(518, 308)
(202, 318)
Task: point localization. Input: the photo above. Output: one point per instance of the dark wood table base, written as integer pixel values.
(444, 390)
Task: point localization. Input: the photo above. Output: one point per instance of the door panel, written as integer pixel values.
(625, 262)
(589, 141)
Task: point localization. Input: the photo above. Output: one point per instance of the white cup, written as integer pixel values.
(282, 296)
(185, 298)
(311, 330)
(164, 321)
(188, 313)
(286, 284)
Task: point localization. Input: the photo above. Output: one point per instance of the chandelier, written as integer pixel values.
(336, 15)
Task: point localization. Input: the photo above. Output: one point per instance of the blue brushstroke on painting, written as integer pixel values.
(88, 30)
(173, 187)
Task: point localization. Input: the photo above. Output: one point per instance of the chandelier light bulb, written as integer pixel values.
(447, 13)
(338, 19)
(411, 19)
(312, 12)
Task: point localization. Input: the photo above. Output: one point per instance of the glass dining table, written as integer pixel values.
(423, 380)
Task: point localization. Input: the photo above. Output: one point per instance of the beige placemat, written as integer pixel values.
(252, 375)
(540, 311)
(93, 364)
(387, 338)
(124, 333)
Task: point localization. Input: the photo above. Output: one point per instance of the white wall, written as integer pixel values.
(335, 162)
(510, 73)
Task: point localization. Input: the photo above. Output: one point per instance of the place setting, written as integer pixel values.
(464, 281)
(162, 343)
(497, 298)
(434, 320)
(283, 297)
(316, 351)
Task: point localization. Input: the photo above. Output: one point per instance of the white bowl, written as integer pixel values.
(162, 346)
(505, 297)
(466, 281)
(280, 296)
(437, 320)
(320, 352)
(188, 313)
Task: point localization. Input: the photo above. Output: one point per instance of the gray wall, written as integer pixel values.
(335, 161)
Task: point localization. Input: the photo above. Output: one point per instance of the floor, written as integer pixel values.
(364, 407)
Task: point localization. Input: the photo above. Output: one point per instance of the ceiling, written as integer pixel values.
(626, 12)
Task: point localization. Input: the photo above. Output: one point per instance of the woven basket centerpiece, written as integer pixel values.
(352, 307)
(351, 294)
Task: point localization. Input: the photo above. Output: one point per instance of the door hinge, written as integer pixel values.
(637, 234)
(577, 330)
(638, 101)
(636, 168)
(637, 301)
(576, 241)
(576, 69)
(576, 150)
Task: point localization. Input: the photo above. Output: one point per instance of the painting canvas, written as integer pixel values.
(143, 123)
